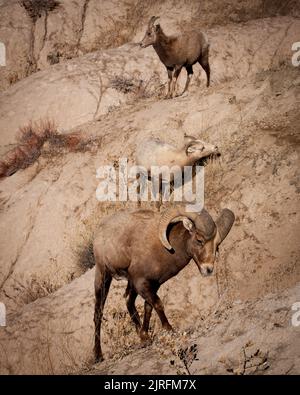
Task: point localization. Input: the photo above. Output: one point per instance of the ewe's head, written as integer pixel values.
(150, 37)
(205, 235)
(197, 149)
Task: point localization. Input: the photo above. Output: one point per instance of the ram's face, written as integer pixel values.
(204, 251)
(205, 238)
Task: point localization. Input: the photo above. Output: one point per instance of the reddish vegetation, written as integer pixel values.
(31, 139)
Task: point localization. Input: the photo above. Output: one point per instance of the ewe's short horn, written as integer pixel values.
(224, 223)
(202, 221)
(152, 20)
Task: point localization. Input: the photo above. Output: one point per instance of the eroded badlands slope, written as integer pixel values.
(49, 210)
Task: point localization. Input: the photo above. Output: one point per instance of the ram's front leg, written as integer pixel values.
(145, 327)
(130, 302)
(148, 291)
(159, 308)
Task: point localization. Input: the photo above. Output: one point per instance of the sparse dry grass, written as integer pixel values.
(119, 332)
(39, 289)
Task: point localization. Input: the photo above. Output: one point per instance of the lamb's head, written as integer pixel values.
(197, 150)
(205, 234)
(150, 37)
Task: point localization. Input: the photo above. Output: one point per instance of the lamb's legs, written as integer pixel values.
(170, 74)
(132, 294)
(102, 284)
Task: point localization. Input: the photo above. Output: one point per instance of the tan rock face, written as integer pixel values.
(98, 81)
(77, 27)
(49, 210)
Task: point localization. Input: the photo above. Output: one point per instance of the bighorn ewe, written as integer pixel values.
(179, 51)
(148, 249)
(154, 152)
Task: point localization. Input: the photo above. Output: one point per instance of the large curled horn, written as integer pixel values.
(202, 221)
(224, 223)
(152, 20)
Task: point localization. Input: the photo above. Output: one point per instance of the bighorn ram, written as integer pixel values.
(177, 52)
(148, 249)
(154, 152)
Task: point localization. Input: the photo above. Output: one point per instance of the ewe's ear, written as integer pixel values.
(188, 224)
(157, 28)
(191, 149)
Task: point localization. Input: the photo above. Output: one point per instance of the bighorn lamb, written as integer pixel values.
(179, 51)
(148, 248)
(154, 152)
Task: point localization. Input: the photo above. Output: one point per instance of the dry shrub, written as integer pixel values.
(71, 142)
(13, 77)
(36, 288)
(140, 88)
(53, 57)
(85, 255)
(30, 140)
(39, 289)
(30, 145)
(35, 8)
(123, 84)
(175, 347)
